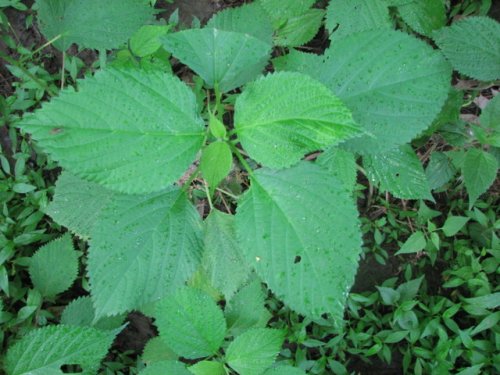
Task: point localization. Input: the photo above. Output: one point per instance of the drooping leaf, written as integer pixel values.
(299, 29)
(248, 19)
(424, 16)
(141, 248)
(254, 351)
(225, 59)
(91, 23)
(215, 163)
(439, 171)
(207, 368)
(299, 229)
(80, 312)
(54, 267)
(370, 15)
(45, 350)
(399, 172)
(479, 170)
(453, 224)
(284, 370)
(472, 45)
(77, 203)
(131, 131)
(222, 259)
(341, 163)
(191, 323)
(165, 367)
(283, 116)
(246, 309)
(156, 350)
(146, 40)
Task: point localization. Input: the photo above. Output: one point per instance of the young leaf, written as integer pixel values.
(222, 260)
(45, 350)
(54, 267)
(254, 351)
(293, 225)
(80, 312)
(207, 368)
(77, 203)
(215, 163)
(191, 323)
(341, 163)
(142, 248)
(479, 170)
(424, 16)
(166, 367)
(131, 131)
(146, 40)
(370, 15)
(283, 116)
(399, 172)
(453, 224)
(224, 59)
(217, 128)
(472, 45)
(299, 29)
(91, 23)
(415, 243)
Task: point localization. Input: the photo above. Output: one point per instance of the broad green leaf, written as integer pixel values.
(146, 40)
(472, 45)
(222, 259)
(246, 309)
(54, 267)
(131, 131)
(479, 170)
(248, 19)
(207, 368)
(490, 116)
(394, 84)
(191, 323)
(44, 350)
(254, 351)
(450, 113)
(489, 301)
(453, 224)
(77, 203)
(284, 370)
(299, 29)
(389, 296)
(91, 23)
(489, 322)
(409, 289)
(280, 12)
(141, 248)
(415, 243)
(283, 116)
(296, 224)
(296, 61)
(215, 163)
(341, 163)
(424, 16)
(440, 170)
(217, 128)
(156, 350)
(224, 59)
(399, 172)
(80, 312)
(471, 370)
(165, 368)
(369, 15)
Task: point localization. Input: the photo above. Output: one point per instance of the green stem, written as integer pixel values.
(227, 193)
(218, 103)
(63, 75)
(209, 198)
(39, 49)
(241, 159)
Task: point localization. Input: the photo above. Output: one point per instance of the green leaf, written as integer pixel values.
(146, 40)
(341, 163)
(131, 131)
(389, 295)
(156, 350)
(215, 163)
(415, 243)
(280, 13)
(80, 312)
(424, 16)
(440, 170)
(370, 15)
(395, 337)
(191, 323)
(471, 370)
(45, 350)
(246, 309)
(54, 267)
(284, 370)
(77, 203)
(488, 322)
(254, 351)
(217, 128)
(453, 224)
(165, 367)
(141, 248)
(247, 19)
(399, 172)
(479, 170)
(224, 59)
(472, 45)
(283, 116)
(293, 225)
(300, 29)
(23, 188)
(91, 23)
(489, 301)
(409, 289)
(490, 116)
(207, 368)
(223, 261)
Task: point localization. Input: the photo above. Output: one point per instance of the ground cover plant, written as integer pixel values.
(209, 181)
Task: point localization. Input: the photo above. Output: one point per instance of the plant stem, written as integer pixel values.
(209, 198)
(241, 159)
(227, 193)
(62, 69)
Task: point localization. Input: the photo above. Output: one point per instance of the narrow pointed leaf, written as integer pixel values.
(299, 229)
(141, 248)
(131, 131)
(283, 116)
(480, 170)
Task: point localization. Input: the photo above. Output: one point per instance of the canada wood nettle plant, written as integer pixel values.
(132, 138)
